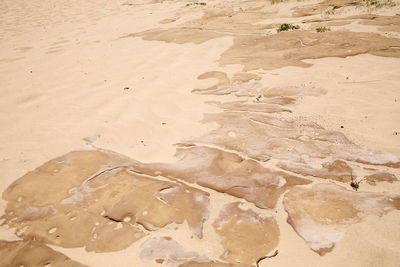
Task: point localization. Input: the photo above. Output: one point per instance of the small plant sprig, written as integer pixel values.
(378, 4)
(287, 26)
(273, 2)
(322, 29)
(196, 4)
(330, 11)
(354, 183)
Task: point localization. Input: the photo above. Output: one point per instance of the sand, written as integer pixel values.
(211, 99)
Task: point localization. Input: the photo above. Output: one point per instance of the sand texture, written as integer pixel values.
(200, 133)
(31, 253)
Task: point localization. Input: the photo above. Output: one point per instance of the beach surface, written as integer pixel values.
(200, 133)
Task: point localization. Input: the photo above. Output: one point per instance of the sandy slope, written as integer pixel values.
(68, 71)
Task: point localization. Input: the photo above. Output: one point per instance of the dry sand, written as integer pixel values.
(204, 98)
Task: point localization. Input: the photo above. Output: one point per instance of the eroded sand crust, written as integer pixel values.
(165, 250)
(338, 170)
(240, 81)
(290, 48)
(32, 253)
(255, 50)
(227, 173)
(322, 6)
(212, 264)
(245, 235)
(252, 128)
(264, 137)
(92, 199)
(321, 214)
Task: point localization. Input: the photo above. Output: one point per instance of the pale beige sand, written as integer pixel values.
(64, 67)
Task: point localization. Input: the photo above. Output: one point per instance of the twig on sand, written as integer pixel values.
(371, 81)
(265, 257)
